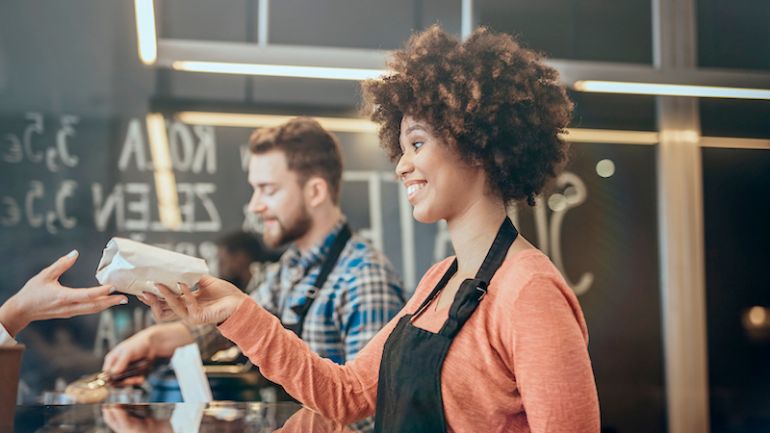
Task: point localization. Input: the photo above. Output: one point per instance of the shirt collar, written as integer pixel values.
(317, 253)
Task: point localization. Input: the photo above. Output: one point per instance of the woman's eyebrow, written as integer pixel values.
(414, 128)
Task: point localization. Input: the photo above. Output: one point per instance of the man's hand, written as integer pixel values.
(43, 297)
(134, 348)
(156, 341)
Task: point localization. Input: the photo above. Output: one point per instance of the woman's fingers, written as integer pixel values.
(173, 302)
(163, 313)
(192, 302)
(150, 300)
(157, 312)
(158, 306)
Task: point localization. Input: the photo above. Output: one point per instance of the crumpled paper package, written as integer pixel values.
(133, 267)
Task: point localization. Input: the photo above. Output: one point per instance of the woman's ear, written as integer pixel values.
(316, 191)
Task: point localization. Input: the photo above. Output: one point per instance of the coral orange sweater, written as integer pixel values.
(520, 363)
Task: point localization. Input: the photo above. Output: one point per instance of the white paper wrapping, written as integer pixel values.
(133, 267)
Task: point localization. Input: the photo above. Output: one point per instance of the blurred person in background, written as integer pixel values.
(243, 259)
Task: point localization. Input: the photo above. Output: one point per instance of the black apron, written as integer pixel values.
(409, 388)
(326, 268)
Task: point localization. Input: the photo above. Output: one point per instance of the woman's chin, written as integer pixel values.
(424, 215)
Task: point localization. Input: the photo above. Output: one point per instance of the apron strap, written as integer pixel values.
(327, 266)
(497, 252)
(439, 286)
(472, 290)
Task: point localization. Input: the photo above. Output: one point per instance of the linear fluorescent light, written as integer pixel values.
(279, 70)
(245, 120)
(670, 90)
(735, 143)
(614, 136)
(352, 124)
(147, 39)
(165, 181)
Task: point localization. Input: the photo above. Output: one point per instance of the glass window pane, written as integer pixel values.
(606, 111)
(230, 21)
(736, 214)
(734, 34)
(616, 31)
(734, 118)
(357, 24)
(613, 236)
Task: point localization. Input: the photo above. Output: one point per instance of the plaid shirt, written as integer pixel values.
(361, 295)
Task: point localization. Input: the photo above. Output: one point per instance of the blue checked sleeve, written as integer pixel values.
(373, 297)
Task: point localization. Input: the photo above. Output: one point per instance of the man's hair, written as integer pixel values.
(310, 150)
(250, 243)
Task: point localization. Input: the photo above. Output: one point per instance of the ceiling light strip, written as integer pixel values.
(583, 135)
(292, 71)
(735, 143)
(360, 125)
(245, 120)
(147, 38)
(632, 88)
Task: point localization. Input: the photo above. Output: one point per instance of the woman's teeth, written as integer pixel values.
(411, 189)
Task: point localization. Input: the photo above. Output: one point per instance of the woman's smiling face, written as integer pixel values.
(438, 183)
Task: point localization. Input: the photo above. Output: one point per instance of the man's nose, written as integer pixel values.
(256, 205)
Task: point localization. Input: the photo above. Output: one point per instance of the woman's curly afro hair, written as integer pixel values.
(495, 102)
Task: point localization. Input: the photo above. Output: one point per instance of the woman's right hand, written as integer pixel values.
(213, 302)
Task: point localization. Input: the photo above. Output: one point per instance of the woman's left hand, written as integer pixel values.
(213, 302)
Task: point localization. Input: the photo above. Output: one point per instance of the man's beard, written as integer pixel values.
(289, 232)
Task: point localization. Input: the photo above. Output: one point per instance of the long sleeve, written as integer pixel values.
(5, 337)
(550, 354)
(344, 393)
(208, 337)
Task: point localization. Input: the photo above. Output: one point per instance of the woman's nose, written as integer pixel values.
(404, 166)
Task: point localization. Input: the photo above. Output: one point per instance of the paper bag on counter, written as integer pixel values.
(133, 267)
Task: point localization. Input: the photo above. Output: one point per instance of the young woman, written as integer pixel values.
(493, 339)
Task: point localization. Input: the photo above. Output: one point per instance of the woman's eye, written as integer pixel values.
(417, 145)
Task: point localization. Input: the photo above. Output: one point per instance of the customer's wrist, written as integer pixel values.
(13, 317)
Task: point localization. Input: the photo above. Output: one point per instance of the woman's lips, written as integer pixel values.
(413, 188)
